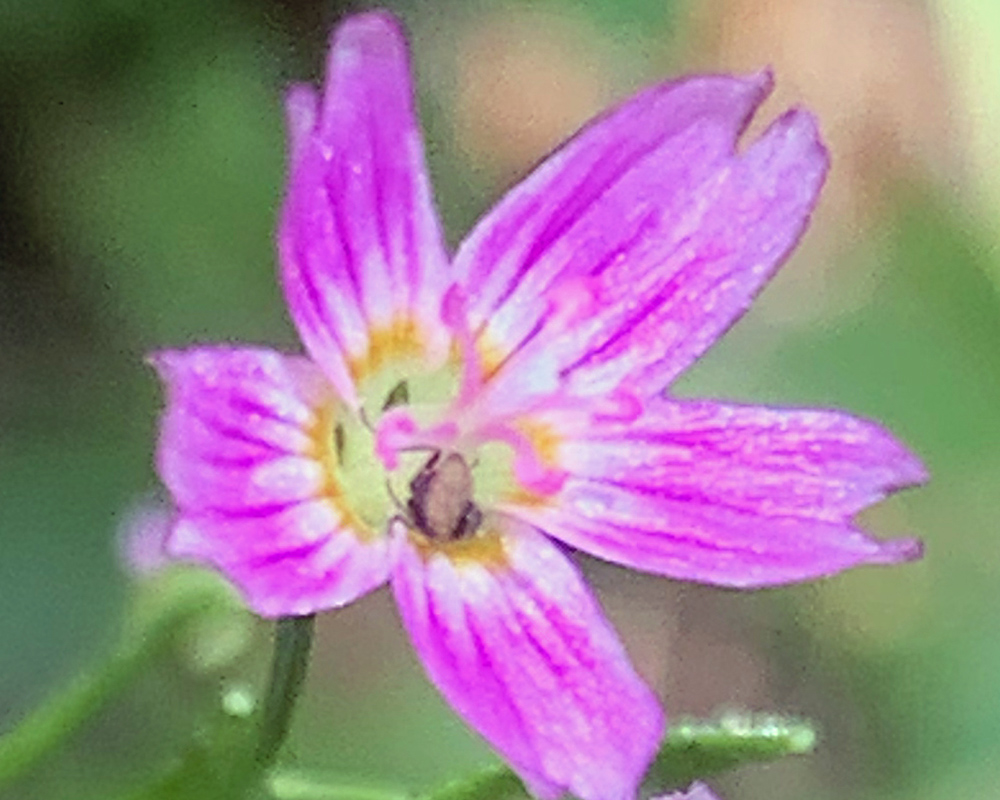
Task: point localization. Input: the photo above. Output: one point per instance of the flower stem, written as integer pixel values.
(293, 641)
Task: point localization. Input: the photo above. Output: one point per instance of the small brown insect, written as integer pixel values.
(441, 498)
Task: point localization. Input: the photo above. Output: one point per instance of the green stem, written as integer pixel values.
(293, 641)
(63, 713)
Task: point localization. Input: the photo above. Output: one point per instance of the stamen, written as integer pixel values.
(398, 432)
(529, 466)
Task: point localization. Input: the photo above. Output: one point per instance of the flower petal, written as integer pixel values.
(651, 209)
(733, 495)
(244, 450)
(523, 652)
(744, 223)
(363, 260)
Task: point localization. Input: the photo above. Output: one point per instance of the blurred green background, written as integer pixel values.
(141, 167)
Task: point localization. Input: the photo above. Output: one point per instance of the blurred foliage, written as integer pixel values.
(141, 161)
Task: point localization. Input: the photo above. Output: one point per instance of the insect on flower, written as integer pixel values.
(441, 498)
(519, 390)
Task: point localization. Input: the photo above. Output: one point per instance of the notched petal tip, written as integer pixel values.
(910, 470)
(741, 496)
(156, 357)
(367, 40)
(901, 467)
(361, 251)
(764, 78)
(368, 51)
(673, 223)
(899, 551)
(730, 99)
(166, 363)
(798, 130)
(787, 164)
(730, 96)
(761, 85)
(377, 31)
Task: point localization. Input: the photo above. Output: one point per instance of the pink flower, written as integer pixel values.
(455, 412)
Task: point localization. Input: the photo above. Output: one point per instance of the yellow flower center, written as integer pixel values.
(443, 492)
